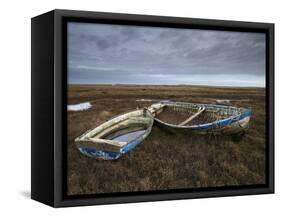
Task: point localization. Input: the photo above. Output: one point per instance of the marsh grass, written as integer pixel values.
(165, 160)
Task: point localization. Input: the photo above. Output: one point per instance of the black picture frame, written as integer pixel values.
(49, 86)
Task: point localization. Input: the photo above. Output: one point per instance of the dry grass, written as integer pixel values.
(165, 160)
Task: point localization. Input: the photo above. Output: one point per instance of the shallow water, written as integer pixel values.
(127, 137)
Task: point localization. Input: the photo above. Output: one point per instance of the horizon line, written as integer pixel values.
(132, 84)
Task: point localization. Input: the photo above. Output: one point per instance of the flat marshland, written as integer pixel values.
(165, 160)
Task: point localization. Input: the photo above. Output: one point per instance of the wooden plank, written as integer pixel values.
(129, 123)
(101, 144)
(156, 108)
(192, 117)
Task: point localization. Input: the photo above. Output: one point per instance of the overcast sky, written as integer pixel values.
(119, 54)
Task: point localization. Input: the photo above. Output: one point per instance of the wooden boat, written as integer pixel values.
(201, 118)
(116, 137)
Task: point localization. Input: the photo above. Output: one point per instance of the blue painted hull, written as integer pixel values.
(233, 124)
(117, 136)
(224, 122)
(110, 155)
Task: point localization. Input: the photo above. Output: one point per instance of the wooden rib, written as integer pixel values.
(192, 117)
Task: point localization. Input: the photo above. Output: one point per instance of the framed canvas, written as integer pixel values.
(133, 108)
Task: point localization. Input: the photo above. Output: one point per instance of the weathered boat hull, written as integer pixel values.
(111, 155)
(237, 122)
(100, 143)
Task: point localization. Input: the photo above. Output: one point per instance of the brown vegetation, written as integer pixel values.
(165, 160)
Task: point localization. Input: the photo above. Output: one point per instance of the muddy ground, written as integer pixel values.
(165, 160)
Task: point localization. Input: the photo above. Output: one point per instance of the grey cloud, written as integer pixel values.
(139, 54)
